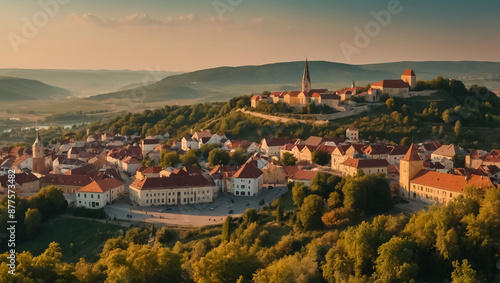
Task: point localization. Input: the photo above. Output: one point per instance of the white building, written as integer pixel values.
(247, 181)
(99, 193)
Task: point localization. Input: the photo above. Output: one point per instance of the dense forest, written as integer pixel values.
(335, 230)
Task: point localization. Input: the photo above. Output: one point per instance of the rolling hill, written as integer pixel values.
(226, 82)
(17, 89)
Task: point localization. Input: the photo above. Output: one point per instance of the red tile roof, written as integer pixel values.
(408, 72)
(391, 84)
(281, 141)
(248, 171)
(290, 170)
(66, 180)
(365, 163)
(304, 175)
(449, 182)
(101, 186)
(20, 178)
(412, 154)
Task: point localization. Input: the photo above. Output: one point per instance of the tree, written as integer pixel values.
(138, 236)
(299, 192)
(169, 159)
(367, 194)
(324, 183)
(320, 157)
(292, 268)
(218, 157)
(463, 273)
(279, 212)
(288, 159)
(33, 221)
(389, 103)
(250, 215)
(239, 156)
(458, 128)
(49, 201)
(336, 217)
(226, 263)
(310, 212)
(189, 158)
(226, 229)
(396, 261)
(458, 161)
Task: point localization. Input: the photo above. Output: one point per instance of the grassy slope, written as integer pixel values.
(87, 237)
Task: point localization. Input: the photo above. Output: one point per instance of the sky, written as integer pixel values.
(187, 35)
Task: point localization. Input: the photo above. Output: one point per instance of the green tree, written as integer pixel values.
(226, 229)
(49, 201)
(396, 261)
(292, 268)
(320, 157)
(463, 273)
(299, 193)
(138, 236)
(324, 183)
(33, 221)
(310, 212)
(169, 159)
(458, 128)
(288, 159)
(279, 212)
(458, 161)
(218, 157)
(189, 158)
(390, 103)
(239, 156)
(250, 215)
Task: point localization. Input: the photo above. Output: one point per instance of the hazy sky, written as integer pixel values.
(186, 35)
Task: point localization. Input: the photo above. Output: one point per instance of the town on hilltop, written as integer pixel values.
(341, 99)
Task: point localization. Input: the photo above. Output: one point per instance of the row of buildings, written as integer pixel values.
(393, 87)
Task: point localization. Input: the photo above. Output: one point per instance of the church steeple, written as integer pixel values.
(306, 79)
(38, 155)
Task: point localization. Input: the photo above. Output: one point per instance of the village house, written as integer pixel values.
(478, 158)
(25, 183)
(272, 146)
(99, 193)
(352, 166)
(303, 176)
(247, 181)
(341, 153)
(274, 174)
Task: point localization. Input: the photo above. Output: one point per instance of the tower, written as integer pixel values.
(353, 88)
(38, 155)
(409, 167)
(306, 79)
(409, 77)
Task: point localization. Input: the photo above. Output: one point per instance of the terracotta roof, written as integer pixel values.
(376, 149)
(151, 169)
(449, 182)
(493, 169)
(411, 154)
(248, 171)
(408, 72)
(329, 96)
(293, 93)
(493, 156)
(398, 150)
(101, 186)
(304, 175)
(290, 170)
(175, 180)
(326, 148)
(391, 84)
(365, 163)
(256, 97)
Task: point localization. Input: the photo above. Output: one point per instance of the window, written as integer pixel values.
(91, 196)
(78, 194)
(85, 195)
(147, 201)
(184, 199)
(98, 196)
(79, 201)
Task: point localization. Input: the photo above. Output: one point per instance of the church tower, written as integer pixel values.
(409, 167)
(38, 155)
(353, 88)
(306, 79)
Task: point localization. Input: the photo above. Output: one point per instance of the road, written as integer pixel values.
(193, 214)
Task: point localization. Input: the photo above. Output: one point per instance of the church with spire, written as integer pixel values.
(301, 98)
(38, 155)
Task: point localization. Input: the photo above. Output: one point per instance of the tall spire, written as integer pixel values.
(306, 79)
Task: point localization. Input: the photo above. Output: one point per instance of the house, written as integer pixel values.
(149, 144)
(478, 158)
(376, 151)
(352, 134)
(272, 146)
(303, 176)
(255, 100)
(189, 143)
(447, 152)
(26, 183)
(177, 189)
(273, 174)
(70, 184)
(352, 166)
(247, 146)
(289, 171)
(130, 164)
(292, 98)
(99, 193)
(398, 88)
(222, 177)
(395, 153)
(248, 180)
(341, 153)
(419, 184)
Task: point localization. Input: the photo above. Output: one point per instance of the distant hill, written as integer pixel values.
(226, 82)
(87, 82)
(17, 89)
